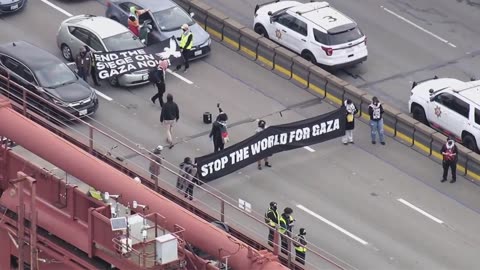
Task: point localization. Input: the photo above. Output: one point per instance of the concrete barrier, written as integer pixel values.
(290, 66)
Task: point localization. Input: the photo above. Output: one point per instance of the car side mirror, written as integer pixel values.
(192, 14)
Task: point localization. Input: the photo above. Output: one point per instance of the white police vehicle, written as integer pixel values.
(315, 30)
(450, 106)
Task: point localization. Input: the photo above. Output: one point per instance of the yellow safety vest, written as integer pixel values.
(183, 41)
(301, 248)
(281, 229)
(95, 194)
(271, 223)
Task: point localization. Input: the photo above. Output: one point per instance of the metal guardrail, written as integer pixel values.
(213, 207)
(400, 126)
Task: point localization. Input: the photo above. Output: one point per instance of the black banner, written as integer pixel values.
(272, 140)
(110, 64)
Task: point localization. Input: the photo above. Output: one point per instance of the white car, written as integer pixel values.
(315, 30)
(450, 106)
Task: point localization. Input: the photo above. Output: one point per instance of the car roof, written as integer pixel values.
(102, 26)
(321, 14)
(30, 55)
(471, 91)
(154, 6)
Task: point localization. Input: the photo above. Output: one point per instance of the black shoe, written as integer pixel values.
(345, 143)
(352, 142)
(443, 180)
(178, 67)
(383, 143)
(453, 181)
(191, 198)
(259, 166)
(374, 142)
(171, 146)
(268, 165)
(153, 100)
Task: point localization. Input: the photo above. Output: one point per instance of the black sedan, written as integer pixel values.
(46, 76)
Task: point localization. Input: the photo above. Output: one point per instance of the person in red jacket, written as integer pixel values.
(450, 158)
(133, 25)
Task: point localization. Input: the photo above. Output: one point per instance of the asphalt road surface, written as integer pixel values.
(373, 206)
(408, 40)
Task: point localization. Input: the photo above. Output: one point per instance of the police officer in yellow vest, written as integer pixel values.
(286, 225)
(186, 44)
(271, 218)
(300, 246)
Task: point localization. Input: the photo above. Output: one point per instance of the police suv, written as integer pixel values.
(450, 106)
(315, 30)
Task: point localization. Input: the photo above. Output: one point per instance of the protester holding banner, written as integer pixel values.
(219, 132)
(93, 70)
(169, 115)
(83, 62)
(261, 127)
(186, 44)
(350, 124)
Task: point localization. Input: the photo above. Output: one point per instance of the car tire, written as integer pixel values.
(418, 114)
(307, 55)
(66, 52)
(259, 29)
(470, 142)
(113, 81)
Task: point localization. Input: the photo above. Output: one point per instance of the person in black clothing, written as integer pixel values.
(450, 158)
(375, 110)
(271, 218)
(158, 78)
(219, 127)
(193, 180)
(169, 115)
(93, 69)
(300, 246)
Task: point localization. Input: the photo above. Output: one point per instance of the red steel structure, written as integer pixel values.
(74, 232)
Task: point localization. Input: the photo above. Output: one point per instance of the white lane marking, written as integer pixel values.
(309, 148)
(363, 242)
(70, 15)
(420, 211)
(57, 8)
(102, 95)
(179, 76)
(418, 27)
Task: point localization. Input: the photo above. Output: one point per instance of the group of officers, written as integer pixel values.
(284, 223)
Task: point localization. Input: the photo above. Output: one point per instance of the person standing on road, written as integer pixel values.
(300, 246)
(83, 62)
(93, 69)
(261, 127)
(192, 181)
(169, 115)
(271, 218)
(350, 122)
(375, 109)
(155, 163)
(219, 133)
(186, 44)
(158, 78)
(286, 225)
(450, 158)
(185, 168)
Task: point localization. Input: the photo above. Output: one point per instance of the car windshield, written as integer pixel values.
(54, 75)
(123, 41)
(345, 37)
(172, 18)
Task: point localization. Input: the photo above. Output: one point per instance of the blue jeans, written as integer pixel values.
(377, 126)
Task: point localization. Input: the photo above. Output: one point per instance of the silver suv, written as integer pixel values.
(102, 35)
